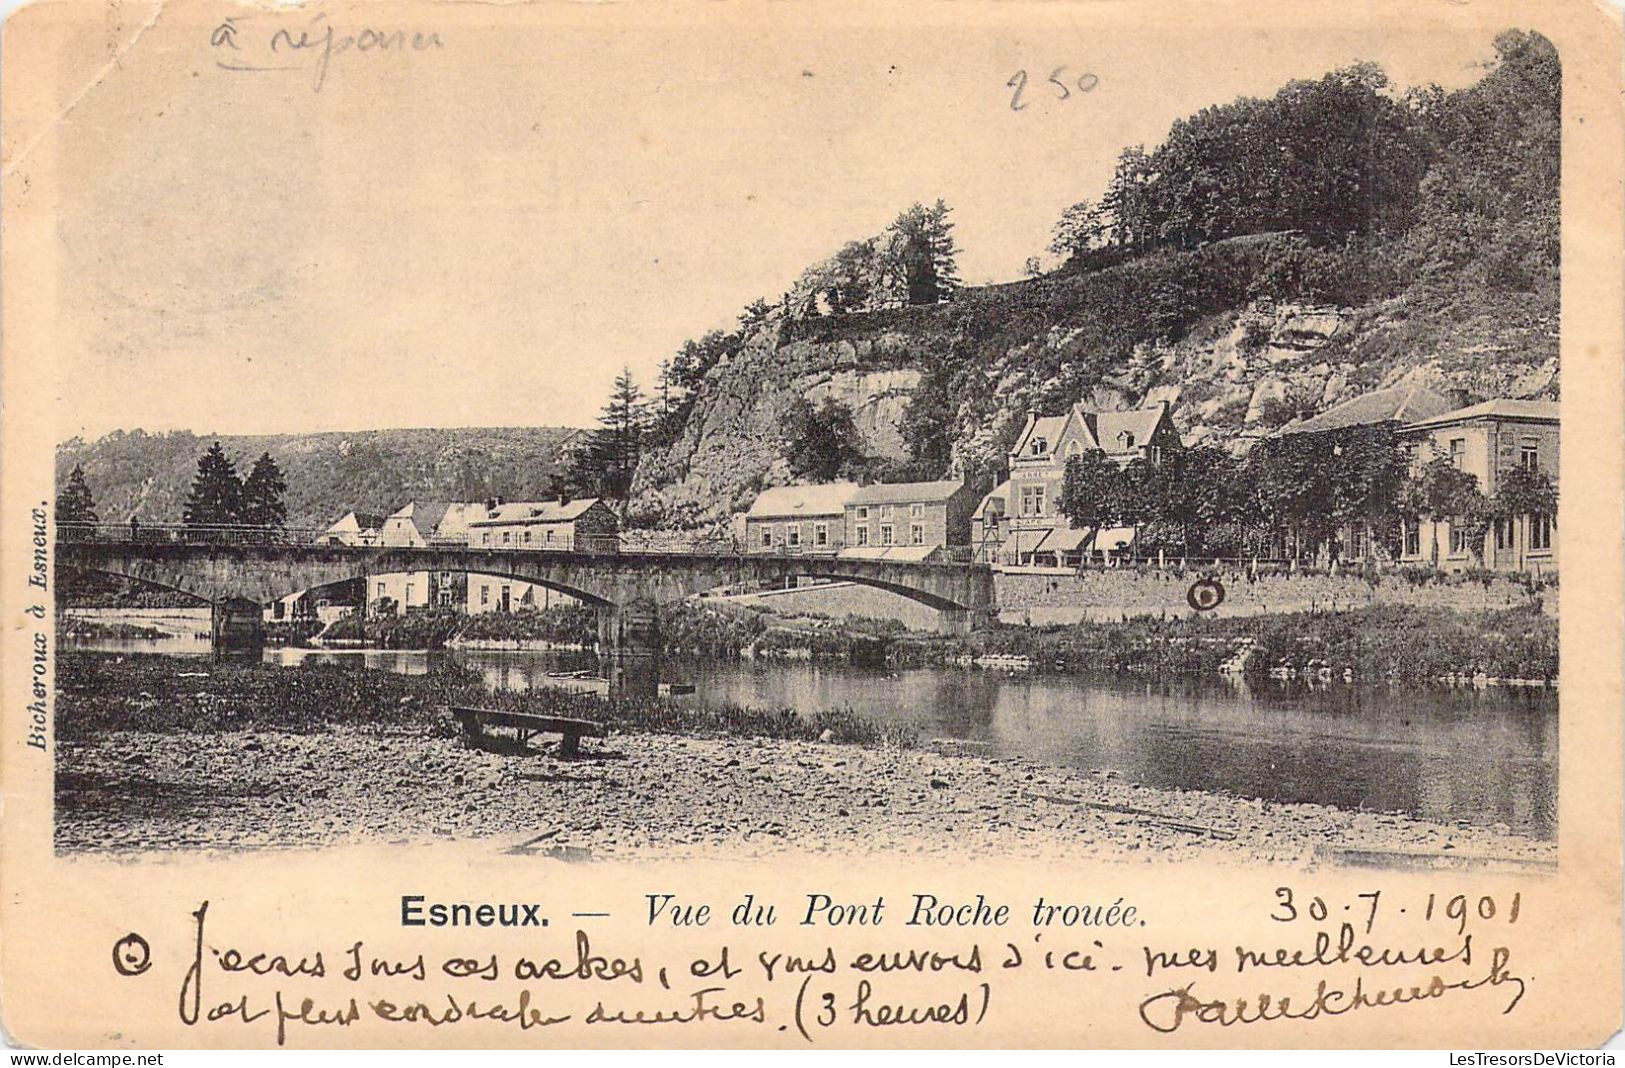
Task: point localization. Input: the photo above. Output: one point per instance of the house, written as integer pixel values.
(355, 528)
(1390, 408)
(1019, 524)
(1487, 441)
(585, 525)
(799, 520)
(918, 518)
(417, 525)
(500, 593)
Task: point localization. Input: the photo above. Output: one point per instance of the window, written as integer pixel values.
(1357, 542)
(550, 537)
(527, 537)
(916, 534)
(767, 535)
(408, 593)
(1529, 454)
(1540, 532)
(1458, 452)
(1154, 454)
(380, 594)
(1040, 447)
(886, 535)
(793, 536)
(1074, 448)
(485, 594)
(507, 537)
(820, 534)
(916, 511)
(1458, 541)
(1032, 500)
(885, 511)
(863, 535)
(1503, 534)
(1128, 440)
(1413, 538)
(863, 511)
(485, 538)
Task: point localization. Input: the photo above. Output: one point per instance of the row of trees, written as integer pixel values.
(1296, 490)
(1430, 181)
(220, 497)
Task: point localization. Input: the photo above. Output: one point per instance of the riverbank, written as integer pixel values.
(166, 753)
(647, 795)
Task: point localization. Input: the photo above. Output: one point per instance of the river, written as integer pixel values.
(1480, 756)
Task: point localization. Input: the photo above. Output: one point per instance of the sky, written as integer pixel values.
(484, 232)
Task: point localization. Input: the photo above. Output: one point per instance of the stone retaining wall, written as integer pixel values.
(1112, 594)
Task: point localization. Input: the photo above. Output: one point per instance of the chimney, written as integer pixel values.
(564, 496)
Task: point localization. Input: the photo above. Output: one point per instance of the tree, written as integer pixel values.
(1443, 492)
(929, 253)
(822, 443)
(262, 504)
(930, 422)
(753, 315)
(1525, 491)
(1092, 492)
(217, 492)
(609, 455)
(74, 504)
(1080, 230)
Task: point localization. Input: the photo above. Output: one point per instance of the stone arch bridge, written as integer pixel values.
(238, 578)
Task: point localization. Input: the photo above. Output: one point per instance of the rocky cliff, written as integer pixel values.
(1233, 367)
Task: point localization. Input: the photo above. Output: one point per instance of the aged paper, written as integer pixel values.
(815, 525)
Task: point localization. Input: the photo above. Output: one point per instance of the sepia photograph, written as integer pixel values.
(763, 446)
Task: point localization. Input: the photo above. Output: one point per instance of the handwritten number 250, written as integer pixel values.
(1018, 83)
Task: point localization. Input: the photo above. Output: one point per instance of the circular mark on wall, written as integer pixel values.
(131, 955)
(1205, 594)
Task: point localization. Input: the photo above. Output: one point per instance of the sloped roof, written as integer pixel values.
(1499, 408)
(1396, 404)
(363, 520)
(1048, 427)
(425, 515)
(535, 512)
(787, 502)
(1109, 427)
(998, 495)
(906, 492)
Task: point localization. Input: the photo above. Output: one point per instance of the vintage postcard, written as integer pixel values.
(811, 524)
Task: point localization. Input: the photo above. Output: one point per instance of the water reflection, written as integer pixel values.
(1484, 756)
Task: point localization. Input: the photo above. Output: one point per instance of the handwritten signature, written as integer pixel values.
(240, 47)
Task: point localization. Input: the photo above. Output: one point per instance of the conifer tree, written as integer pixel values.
(262, 504)
(217, 492)
(74, 503)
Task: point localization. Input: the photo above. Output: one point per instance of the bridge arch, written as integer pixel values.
(171, 583)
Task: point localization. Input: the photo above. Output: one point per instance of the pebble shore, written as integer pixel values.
(657, 795)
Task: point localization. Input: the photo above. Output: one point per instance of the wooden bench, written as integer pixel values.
(525, 724)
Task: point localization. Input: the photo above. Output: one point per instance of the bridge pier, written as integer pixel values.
(236, 627)
(629, 649)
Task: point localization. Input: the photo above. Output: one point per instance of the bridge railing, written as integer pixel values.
(138, 533)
